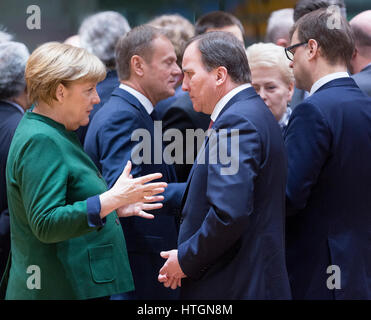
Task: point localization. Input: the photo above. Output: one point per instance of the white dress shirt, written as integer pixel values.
(223, 101)
(141, 97)
(327, 78)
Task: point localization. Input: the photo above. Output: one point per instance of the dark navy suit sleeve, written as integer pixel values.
(116, 145)
(307, 140)
(231, 198)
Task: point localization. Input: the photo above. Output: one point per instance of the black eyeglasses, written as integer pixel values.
(290, 52)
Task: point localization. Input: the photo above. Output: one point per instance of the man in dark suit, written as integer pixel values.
(147, 71)
(302, 8)
(99, 34)
(360, 64)
(328, 141)
(231, 239)
(13, 103)
(180, 114)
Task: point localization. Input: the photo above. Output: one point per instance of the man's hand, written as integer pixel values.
(171, 273)
(137, 209)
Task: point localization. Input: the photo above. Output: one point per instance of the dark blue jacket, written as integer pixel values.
(231, 240)
(9, 119)
(110, 144)
(328, 141)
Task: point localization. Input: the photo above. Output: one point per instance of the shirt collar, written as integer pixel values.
(16, 105)
(223, 101)
(285, 118)
(141, 97)
(327, 78)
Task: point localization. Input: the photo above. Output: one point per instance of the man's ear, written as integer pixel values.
(221, 74)
(314, 49)
(137, 65)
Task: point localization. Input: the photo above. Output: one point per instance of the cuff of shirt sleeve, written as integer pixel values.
(93, 206)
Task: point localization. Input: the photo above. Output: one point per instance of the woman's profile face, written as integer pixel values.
(78, 100)
(270, 85)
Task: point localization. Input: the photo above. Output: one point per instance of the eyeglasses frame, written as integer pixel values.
(288, 49)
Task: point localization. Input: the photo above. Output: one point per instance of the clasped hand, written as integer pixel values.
(171, 273)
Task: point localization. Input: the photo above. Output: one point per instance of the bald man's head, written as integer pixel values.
(361, 26)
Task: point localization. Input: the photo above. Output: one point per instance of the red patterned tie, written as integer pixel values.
(211, 124)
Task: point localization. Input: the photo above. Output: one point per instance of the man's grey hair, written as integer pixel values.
(223, 49)
(100, 32)
(4, 36)
(280, 23)
(13, 59)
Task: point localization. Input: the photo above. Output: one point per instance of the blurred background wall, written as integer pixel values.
(61, 18)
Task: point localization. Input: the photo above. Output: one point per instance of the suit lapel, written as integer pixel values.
(340, 82)
(129, 98)
(133, 101)
(245, 94)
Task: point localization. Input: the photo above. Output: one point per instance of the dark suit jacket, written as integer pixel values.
(109, 143)
(104, 90)
(9, 119)
(328, 141)
(231, 241)
(181, 115)
(363, 80)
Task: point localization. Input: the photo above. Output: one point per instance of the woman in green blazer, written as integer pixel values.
(66, 239)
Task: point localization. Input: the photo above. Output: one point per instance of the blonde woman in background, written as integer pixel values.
(272, 78)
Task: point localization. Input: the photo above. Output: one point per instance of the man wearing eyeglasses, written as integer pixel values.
(328, 143)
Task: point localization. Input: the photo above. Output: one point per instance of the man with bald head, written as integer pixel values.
(360, 64)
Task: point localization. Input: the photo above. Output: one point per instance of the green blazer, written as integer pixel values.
(49, 179)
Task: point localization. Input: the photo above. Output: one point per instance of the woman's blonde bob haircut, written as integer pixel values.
(54, 63)
(270, 55)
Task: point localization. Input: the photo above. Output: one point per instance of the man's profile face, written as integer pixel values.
(197, 81)
(299, 64)
(161, 72)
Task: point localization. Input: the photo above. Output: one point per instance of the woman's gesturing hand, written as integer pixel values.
(132, 196)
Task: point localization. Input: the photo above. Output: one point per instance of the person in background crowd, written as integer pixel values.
(179, 30)
(231, 239)
(148, 72)
(360, 64)
(220, 21)
(272, 78)
(4, 36)
(303, 7)
(99, 34)
(279, 25)
(62, 217)
(73, 40)
(13, 103)
(328, 142)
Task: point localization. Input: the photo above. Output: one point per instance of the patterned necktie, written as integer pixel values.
(211, 124)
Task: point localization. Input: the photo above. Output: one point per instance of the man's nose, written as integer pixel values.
(176, 70)
(185, 86)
